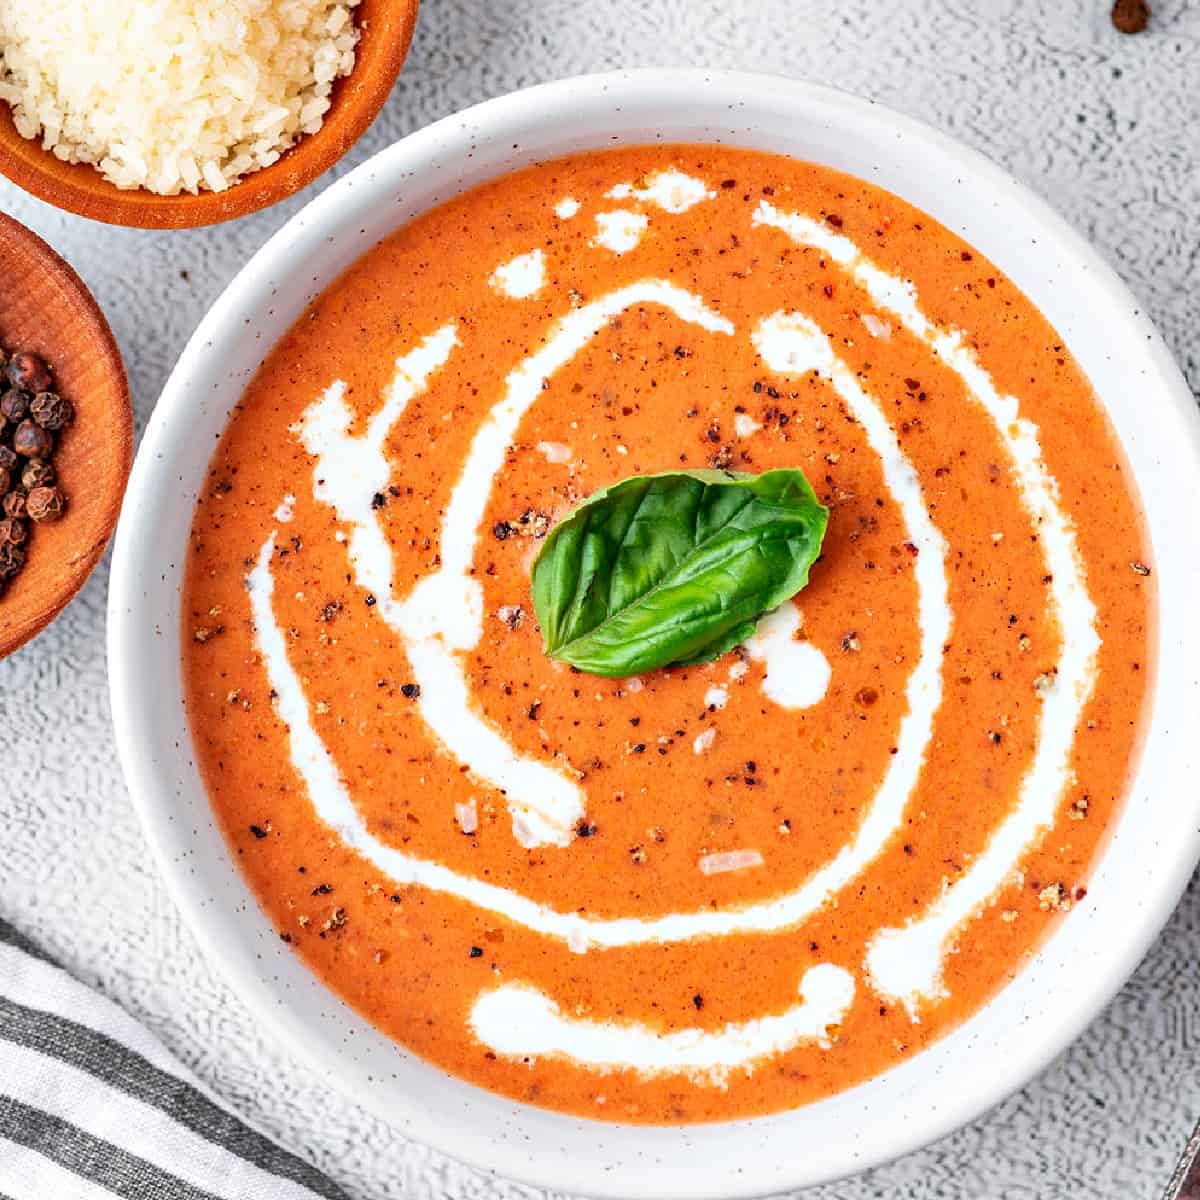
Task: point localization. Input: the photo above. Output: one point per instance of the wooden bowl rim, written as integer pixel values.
(64, 279)
(386, 31)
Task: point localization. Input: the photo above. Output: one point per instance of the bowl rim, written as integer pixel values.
(359, 97)
(966, 1099)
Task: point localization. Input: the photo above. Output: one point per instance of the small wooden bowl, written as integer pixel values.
(385, 31)
(46, 308)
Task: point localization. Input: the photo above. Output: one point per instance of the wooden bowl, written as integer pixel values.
(46, 308)
(385, 31)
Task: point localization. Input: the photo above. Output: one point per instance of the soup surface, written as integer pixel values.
(711, 891)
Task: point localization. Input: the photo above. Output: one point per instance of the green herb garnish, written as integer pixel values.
(673, 568)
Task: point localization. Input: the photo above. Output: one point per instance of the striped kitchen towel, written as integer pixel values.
(92, 1106)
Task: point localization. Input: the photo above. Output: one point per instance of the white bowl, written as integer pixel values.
(1157, 838)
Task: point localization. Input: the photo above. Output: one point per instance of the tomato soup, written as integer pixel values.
(707, 891)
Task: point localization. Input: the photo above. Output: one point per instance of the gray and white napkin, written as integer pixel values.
(93, 1106)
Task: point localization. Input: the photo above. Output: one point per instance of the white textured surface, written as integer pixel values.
(1104, 127)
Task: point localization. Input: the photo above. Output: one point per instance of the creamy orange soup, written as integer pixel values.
(711, 891)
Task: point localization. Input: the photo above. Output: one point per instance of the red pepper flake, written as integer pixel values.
(586, 830)
(834, 220)
(697, 1001)
(728, 183)
(322, 889)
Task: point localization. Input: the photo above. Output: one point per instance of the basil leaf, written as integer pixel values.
(673, 568)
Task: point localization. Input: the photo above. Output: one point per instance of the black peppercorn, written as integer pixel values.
(12, 559)
(1130, 16)
(31, 414)
(13, 531)
(45, 504)
(27, 371)
(31, 441)
(36, 474)
(51, 411)
(14, 405)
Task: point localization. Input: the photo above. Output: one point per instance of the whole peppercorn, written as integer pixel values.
(27, 371)
(1131, 16)
(12, 559)
(13, 531)
(52, 411)
(8, 458)
(37, 474)
(13, 505)
(45, 504)
(14, 405)
(31, 441)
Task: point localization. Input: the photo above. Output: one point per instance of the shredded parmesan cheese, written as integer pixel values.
(730, 860)
(876, 326)
(467, 816)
